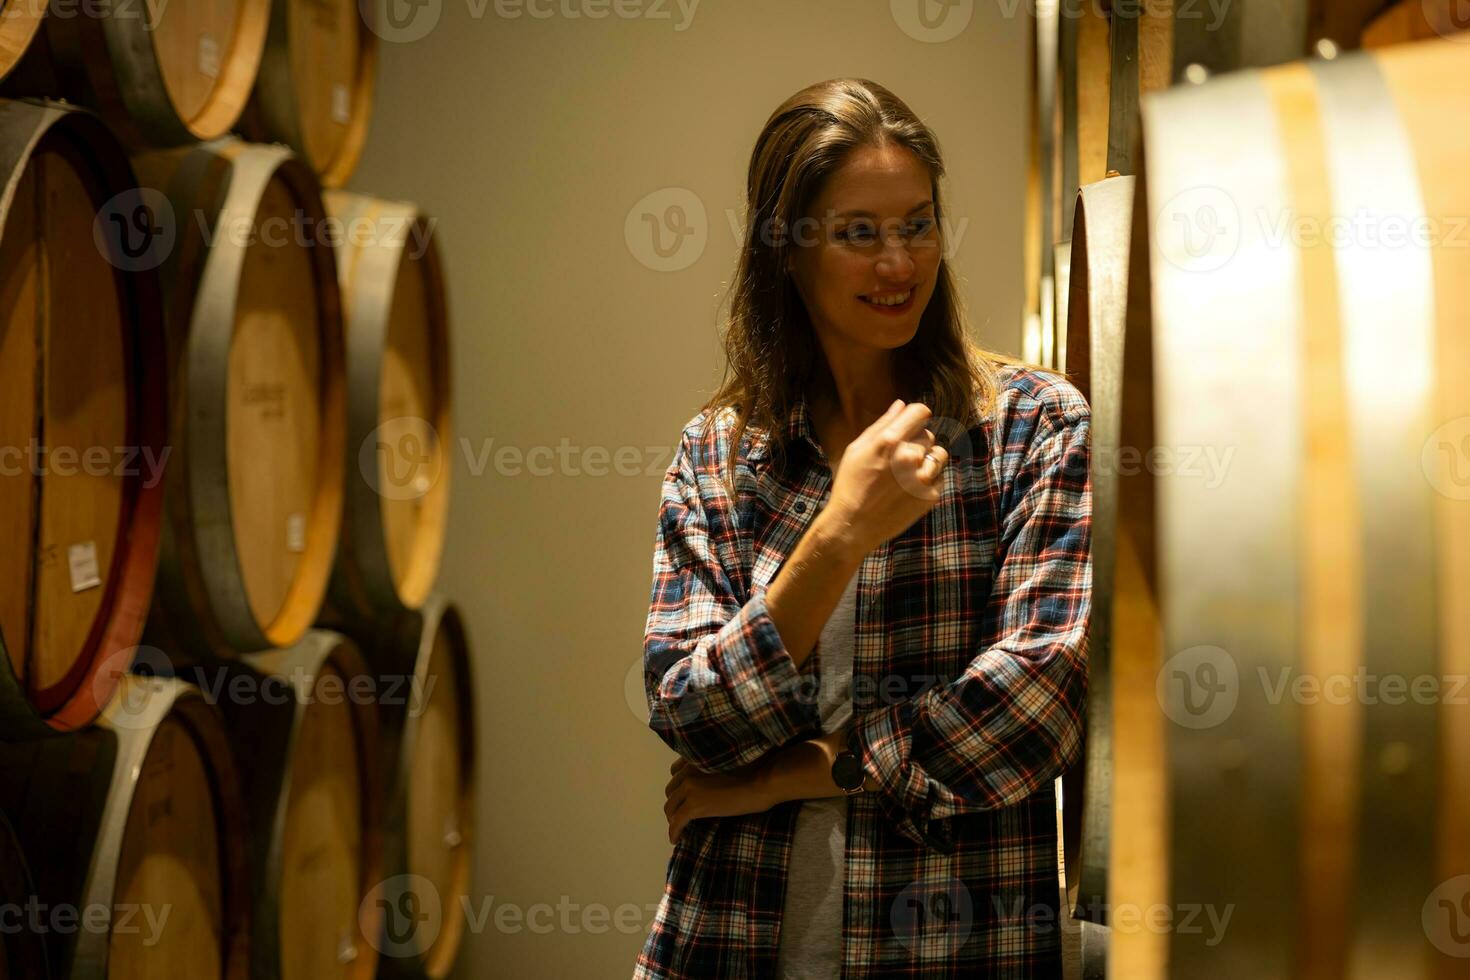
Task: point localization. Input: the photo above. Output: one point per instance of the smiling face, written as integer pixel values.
(870, 236)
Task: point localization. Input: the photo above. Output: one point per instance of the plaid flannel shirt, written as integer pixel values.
(969, 685)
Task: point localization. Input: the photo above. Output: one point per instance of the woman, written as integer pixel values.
(828, 578)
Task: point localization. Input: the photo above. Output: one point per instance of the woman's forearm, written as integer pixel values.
(803, 770)
(809, 585)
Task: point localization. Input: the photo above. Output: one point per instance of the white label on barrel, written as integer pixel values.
(83, 561)
(296, 533)
(340, 105)
(208, 55)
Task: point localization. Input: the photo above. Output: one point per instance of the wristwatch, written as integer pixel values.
(847, 767)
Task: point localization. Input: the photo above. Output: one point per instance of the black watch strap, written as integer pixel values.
(847, 766)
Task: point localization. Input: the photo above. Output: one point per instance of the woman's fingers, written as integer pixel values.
(678, 771)
(909, 422)
(678, 816)
(934, 461)
(922, 441)
(903, 425)
(915, 450)
(673, 803)
(675, 794)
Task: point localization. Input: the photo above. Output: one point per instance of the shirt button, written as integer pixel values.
(801, 506)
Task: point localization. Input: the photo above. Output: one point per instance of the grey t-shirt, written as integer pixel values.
(810, 937)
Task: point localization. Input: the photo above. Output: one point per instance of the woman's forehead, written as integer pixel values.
(875, 183)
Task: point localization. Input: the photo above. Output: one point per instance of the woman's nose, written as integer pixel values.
(896, 263)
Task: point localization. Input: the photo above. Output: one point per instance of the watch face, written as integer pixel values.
(847, 771)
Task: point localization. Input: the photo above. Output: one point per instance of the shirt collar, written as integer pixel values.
(799, 428)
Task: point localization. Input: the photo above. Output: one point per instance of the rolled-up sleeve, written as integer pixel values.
(1013, 721)
(722, 688)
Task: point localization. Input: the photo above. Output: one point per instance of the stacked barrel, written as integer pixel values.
(230, 698)
(1090, 63)
(1280, 517)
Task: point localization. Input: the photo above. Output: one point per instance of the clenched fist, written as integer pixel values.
(888, 478)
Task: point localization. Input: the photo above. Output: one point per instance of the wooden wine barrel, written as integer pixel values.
(254, 496)
(163, 74)
(431, 809)
(81, 365)
(398, 422)
(1039, 231)
(1416, 20)
(22, 950)
(1090, 63)
(1154, 45)
(1265, 607)
(1096, 313)
(1062, 264)
(1082, 106)
(1261, 33)
(1374, 23)
(137, 824)
(1126, 594)
(18, 30)
(304, 723)
(1140, 60)
(315, 90)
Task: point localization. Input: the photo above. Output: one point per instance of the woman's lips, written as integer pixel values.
(903, 307)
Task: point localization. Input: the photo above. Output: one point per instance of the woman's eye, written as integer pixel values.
(866, 234)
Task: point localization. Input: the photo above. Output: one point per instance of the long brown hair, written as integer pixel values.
(771, 350)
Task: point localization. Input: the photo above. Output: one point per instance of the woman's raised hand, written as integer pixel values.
(887, 479)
